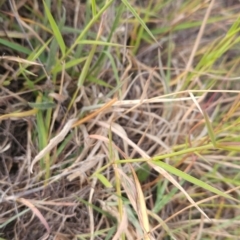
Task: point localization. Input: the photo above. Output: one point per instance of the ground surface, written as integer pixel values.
(119, 119)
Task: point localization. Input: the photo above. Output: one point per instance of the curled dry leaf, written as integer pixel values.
(36, 212)
(53, 142)
(59, 97)
(20, 60)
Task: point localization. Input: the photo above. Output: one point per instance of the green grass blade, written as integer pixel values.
(99, 82)
(98, 209)
(143, 173)
(78, 52)
(36, 54)
(97, 42)
(103, 180)
(135, 14)
(15, 46)
(13, 218)
(51, 59)
(86, 29)
(141, 29)
(98, 64)
(210, 129)
(69, 64)
(86, 66)
(191, 179)
(110, 233)
(163, 198)
(114, 67)
(94, 7)
(42, 105)
(55, 29)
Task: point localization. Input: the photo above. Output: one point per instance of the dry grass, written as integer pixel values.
(119, 121)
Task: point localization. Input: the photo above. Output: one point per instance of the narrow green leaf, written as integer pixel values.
(85, 30)
(97, 42)
(42, 130)
(56, 31)
(15, 46)
(103, 180)
(114, 67)
(52, 56)
(234, 28)
(86, 66)
(94, 7)
(110, 233)
(69, 64)
(141, 29)
(42, 105)
(143, 172)
(210, 129)
(163, 197)
(191, 179)
(135, 14)
(62, 21)
(228, 147)
(5, 223)
(99, 63)
(38, 51)
(105, 213)
(99, 82)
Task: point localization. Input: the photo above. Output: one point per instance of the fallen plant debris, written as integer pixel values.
(119, 119)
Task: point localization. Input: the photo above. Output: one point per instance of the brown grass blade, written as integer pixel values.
(36, 212)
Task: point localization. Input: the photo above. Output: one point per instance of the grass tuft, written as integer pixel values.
(119, 119)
